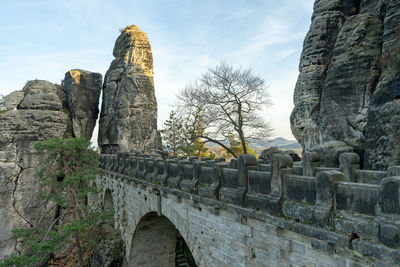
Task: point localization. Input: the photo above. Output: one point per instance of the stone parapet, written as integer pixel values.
(326, 200)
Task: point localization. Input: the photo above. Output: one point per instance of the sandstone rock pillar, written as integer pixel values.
(128, 118)
(82, 89)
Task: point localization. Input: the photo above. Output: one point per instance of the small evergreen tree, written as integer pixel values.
(236, 146)
(172, 134)
(68, 170)
(193, 131)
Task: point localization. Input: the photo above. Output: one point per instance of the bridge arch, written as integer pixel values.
(132, 204)
(108, 202)
(157, 242)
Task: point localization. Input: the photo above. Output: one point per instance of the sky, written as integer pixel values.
(43, 39)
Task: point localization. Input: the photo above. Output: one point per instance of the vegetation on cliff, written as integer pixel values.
(66, 174)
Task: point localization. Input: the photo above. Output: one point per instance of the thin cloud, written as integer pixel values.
(187, 37)
(286, 53)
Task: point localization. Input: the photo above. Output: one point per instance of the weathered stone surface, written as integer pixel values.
(325, 186)
(351, 78)
(347, 90)
(267, 154)
(382, 148)
(224, 234)
(349, 163)
(41, 112)
(361, 198)
(83, 90)
(12, 100)
(108, 252)
(330, 151)
(389, 197)
(19, 205)
(128, 119)
(314, 61)
(41, 95)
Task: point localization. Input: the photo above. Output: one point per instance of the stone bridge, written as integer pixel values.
(247, 213)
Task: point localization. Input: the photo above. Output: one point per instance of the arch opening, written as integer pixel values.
(108, 202)
(156, 242)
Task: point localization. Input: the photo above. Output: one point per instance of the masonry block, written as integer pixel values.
(175, 174)
(115, 164)
(297, 168)
(370, 177)
(210, 180)
(301, 188)
(325, 204)
(300, 197)
(260, 182)
(141, 172)
(389, 234)
(259, 188)
(150, 169)
(162, 171)
(264, 167)
(321, 245)
(357, 197)
(127, 165)
(348, 164)
(364, 226)
(393, 171)
(192, 159)
(121, 161)
(235, 181)
(110, 162)
(230, 191)
(310, 161)
(268, 195)
(389, 195)
(133, 166)
(189, 181)
(233, 164)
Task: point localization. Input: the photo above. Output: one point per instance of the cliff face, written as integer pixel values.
(38, 112)
(128, 119)
(346, 96)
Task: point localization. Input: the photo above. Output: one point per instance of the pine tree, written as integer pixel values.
(181, 136)
(235, 145)
(172, 136)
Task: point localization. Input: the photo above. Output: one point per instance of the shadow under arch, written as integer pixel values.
(108, 202)
(156, 242)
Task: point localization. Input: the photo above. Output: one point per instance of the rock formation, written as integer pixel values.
(267, 154)
(12, 100)
(347, 94)
(82, 89)
(41, 112)
(128, 119)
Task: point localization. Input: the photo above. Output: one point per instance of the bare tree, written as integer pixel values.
(228, 100)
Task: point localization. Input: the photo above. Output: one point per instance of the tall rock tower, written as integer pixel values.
(347, 96)
(128, 118)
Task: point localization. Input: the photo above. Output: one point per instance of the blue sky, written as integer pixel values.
(42, 39)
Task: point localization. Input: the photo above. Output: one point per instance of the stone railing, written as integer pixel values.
(361, 204)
